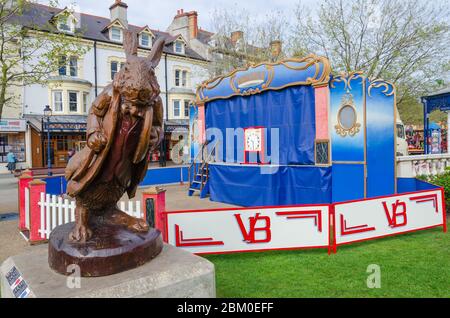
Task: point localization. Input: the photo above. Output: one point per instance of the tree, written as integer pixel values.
(405, 42)
(253, 48)
(30, 48)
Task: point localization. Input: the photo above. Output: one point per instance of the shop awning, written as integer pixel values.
(177, 125)
(58, 123)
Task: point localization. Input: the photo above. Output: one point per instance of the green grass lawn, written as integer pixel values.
(412, 265)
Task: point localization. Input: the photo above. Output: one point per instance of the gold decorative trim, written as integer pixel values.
(270, 75)
(310, 60)
(346, 78)
(347, 101)
(389, 88)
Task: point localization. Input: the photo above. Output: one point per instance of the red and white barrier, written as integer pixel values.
(230, 230)
(249, 229)
(385, 216)
(296, 227)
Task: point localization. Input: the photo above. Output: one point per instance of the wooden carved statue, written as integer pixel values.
(124, 126)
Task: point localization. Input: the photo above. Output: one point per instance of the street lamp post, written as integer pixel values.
(47, 114)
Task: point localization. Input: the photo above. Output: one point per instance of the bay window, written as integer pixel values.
(85, 102)
(73, 101)
(186, 108)
(176, 108)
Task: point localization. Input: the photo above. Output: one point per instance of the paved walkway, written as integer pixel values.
(12, 242)
(8, 194)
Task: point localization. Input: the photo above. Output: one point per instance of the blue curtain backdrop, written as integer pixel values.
(291, 110)
(296, 180)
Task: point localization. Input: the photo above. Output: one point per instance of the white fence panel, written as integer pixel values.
(57, 211)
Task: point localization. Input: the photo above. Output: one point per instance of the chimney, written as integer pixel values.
(119, 11)
(236, 36)
(193, 24)
(275, 48)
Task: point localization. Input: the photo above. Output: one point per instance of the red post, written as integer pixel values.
(36, 187)
(158, 195)
(24, 180)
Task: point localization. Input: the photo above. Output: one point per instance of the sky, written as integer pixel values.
(158, 14)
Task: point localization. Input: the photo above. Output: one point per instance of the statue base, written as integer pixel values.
(111, 249)
(174, 273)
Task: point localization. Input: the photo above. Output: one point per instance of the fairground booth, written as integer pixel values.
(306, 159)
(291, 133)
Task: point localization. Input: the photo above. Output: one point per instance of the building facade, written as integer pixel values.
(79, 79)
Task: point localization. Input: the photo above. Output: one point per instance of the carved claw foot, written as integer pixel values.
(133, 224)
(80, 233)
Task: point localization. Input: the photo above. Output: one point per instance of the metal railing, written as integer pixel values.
(203, 158)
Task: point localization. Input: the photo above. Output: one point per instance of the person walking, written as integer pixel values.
(11, 159)
(71, 153)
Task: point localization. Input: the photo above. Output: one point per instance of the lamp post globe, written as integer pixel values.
(47, 112)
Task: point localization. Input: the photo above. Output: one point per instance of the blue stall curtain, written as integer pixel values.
(289, 118)
(291, 111)
(287, 185)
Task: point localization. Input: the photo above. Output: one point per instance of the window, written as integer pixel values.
(322, 152)
(116, 34)
(181, 78)
(179, 47)
(85, 102)
(176, 108)
(68, 66)
(145, 39)
(73, 64)
(57, 101)
(73, 101)
(114, 68)
(65, 24)
(186, 108)
(62, 67)
(14, 143)
(177, 77)
(184, 79)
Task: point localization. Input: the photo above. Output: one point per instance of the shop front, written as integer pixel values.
(176, 133)
(12, 139)
(57, 139)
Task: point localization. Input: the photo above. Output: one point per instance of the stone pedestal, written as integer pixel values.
(111, 249)
(173, 273)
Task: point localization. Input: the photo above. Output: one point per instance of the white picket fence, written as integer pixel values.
(57, 211)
